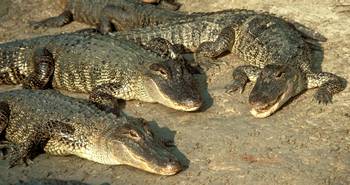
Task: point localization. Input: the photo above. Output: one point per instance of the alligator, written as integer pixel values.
(104, 68)
(113, 14)
(34, 120)
(279, 53)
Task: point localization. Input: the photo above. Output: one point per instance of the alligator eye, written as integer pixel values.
(134, 134)
(161, 70)
(280, 74)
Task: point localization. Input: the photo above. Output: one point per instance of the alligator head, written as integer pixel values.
(133, 144)
(275, 85)
(170, 83)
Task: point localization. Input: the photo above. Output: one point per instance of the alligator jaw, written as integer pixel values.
(267, 110)
(192, 103)
(170, 166)
(263, 112)
(171, 169)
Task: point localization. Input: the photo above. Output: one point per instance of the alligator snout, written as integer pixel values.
(193, 104)
(171, 167)
(258, 100)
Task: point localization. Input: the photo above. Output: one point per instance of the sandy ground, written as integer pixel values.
(304, 143)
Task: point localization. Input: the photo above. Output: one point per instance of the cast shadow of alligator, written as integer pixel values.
(52, 182)
(168, 137)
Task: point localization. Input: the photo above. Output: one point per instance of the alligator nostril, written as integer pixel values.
(173, 165)
(193, 103)
(171, 161)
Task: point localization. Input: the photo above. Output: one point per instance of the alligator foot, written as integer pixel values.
(241, 75)
(323, 96)
(165, 4)
(43, 70)
(328, 83)
(222, 44)
(165, 48)
(20, 155)
(235, 86)
(115, 17)
(64, 18)
(169, 5)
(5, 148)
(103, 99)
(4, 115)
(106, 105)
(206, 63)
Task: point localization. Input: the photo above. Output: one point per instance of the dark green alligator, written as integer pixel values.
(61, 125)
(278, 53)
(102, 67)
(109, 14)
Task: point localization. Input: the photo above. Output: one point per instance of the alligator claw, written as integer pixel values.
(235, 86)
(36, 25)
(19, 156)
(207, 49)
(323, 96)
(205, 62)
(17, 160)
(5, 147)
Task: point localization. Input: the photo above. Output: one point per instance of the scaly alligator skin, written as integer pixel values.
(61, 125)
(102, 67)
(278, 53)
(109, 14)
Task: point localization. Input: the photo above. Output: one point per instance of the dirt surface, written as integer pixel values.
(304, 143)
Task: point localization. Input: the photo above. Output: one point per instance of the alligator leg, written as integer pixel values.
(64, 18)
(38, 137)
(5, 147)
(60, 142)
(328, 83)
(223, 43)
(165, 4)
(163, 47)
(4, 115)
(4, 119)
(169, 5)
(43, 70)
(104, 96)
(20, 154)
(241, 75)
(115, 16)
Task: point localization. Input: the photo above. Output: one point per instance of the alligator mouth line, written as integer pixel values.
(268, 109)
(146, 165)
(179, 105)
(167, 101)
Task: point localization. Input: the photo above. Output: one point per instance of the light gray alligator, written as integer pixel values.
(117, 14)
(61, 125)
(104, 68)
